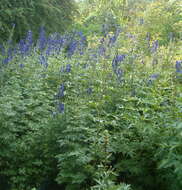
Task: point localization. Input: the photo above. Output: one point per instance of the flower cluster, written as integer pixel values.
(75, 43)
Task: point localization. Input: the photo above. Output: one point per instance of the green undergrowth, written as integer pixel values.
(112, 131)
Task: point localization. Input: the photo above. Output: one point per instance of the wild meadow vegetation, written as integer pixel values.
(91, 95)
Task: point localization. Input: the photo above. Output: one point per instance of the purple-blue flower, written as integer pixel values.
(68, 68)
(25, 45)
(13, 25)
(21, 65)
(101, 51)
(43, 61)
(9, 56)
(178, 66)
(152, 78)
(61, 107)
(102, 40)
(80, 33)
(72, 48)
(89, 90)
(22, 47)
(6, 60)
(117, 59)
(112, 40)
(61, 91)
(155, 46)
(120, 58)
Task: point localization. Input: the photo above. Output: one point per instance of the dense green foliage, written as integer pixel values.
(98, 110)
(17, 17)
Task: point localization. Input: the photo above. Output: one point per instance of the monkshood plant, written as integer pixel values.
(82, 115)
(133, 101)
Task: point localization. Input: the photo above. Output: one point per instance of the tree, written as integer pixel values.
(18, 16)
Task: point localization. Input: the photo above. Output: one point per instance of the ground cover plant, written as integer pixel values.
(98, 107)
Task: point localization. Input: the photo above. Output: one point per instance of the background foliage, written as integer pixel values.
(17, 17)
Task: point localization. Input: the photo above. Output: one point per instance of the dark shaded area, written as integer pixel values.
(17, 17)
(4, 183)
(50, 184)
